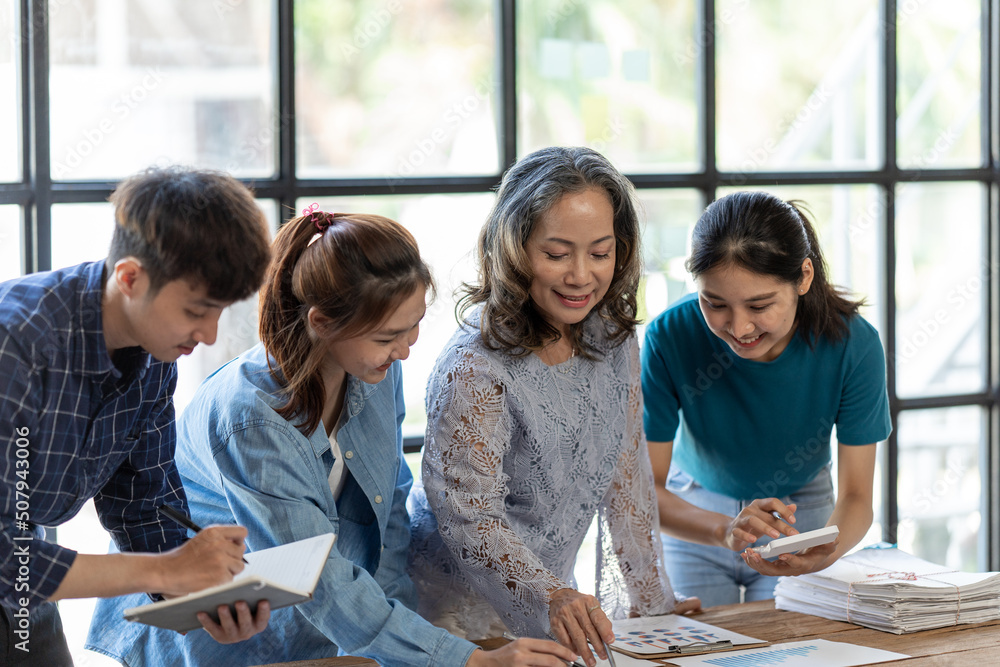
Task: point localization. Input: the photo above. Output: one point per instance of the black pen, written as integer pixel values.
(171, 513)
(607, 649)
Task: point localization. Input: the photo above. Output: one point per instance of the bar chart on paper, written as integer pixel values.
(764, 657)
(815, 653)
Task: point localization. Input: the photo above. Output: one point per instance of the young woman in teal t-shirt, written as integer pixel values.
(743, 385)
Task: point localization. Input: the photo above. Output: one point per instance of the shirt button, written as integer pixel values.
(378, 499)
(348, 454)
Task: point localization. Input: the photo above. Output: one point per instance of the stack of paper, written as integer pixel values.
(889, 590)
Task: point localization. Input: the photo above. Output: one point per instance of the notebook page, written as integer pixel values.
(295, 566)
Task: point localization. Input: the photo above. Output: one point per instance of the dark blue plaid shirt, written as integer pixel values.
(90, 428)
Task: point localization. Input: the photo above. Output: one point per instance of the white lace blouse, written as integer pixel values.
(519, 457)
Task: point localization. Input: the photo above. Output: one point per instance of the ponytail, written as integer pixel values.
(823, 310)
(356, 270)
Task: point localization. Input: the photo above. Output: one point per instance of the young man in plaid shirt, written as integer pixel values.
(87, 377)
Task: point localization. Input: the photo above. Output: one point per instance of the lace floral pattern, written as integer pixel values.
(518, 459)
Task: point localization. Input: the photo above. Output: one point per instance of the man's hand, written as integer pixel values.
(210, 558)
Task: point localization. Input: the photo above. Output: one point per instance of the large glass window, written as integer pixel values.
(780, 109)
(81, 233)
(396, 89)
(669, 217)
(10, 112)
(616, 76)
(940, 485)
(941, 275)
(938, 98)
(10, 242)
(142, 82)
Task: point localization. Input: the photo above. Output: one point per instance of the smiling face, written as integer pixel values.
(174, 320)
(754, 314)
(572, 255)
(369, 355)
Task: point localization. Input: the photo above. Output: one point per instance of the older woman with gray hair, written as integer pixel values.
(535, 420)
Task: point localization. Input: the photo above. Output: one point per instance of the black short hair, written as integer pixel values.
(199, 225)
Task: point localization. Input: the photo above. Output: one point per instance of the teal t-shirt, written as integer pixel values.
(756, 429)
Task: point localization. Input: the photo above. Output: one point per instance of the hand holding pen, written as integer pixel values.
(763, 517)
(579, 623)
(183, 520)
(228, 630)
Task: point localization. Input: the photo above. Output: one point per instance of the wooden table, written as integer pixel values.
(956, 646)
(976, 645)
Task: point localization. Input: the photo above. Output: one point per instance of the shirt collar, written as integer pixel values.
(357, 393)
(93, 357)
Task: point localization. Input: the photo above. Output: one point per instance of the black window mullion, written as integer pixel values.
(38, 219)
(283, 189)
(988, 551)
(991, 83)
(990, 110)
(988, 458)
(705, 74)
(507, 65)
(24, 74)
(890, 506)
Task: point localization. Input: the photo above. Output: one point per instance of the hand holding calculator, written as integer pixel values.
(798, 542)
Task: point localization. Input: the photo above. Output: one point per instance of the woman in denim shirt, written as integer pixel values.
(301, 436)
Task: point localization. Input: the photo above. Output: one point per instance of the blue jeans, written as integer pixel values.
(718, 575)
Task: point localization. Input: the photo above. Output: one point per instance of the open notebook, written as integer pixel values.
(284, 575)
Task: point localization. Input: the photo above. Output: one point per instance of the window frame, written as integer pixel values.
(36, 193)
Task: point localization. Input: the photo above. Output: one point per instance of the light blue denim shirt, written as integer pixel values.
(243, 463)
